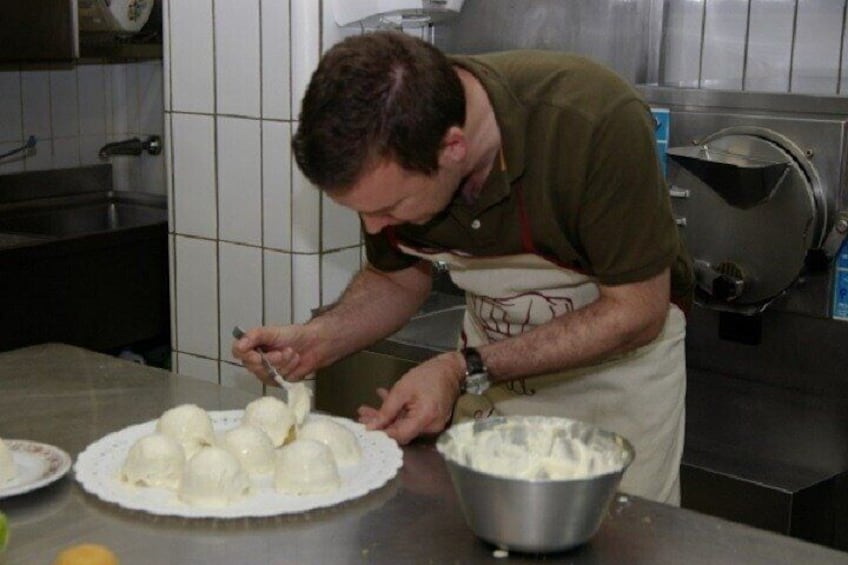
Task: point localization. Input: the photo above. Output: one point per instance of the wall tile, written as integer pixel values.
(191, 50)
(276, 59)
(277, 284)
(13, 164)
(818, 37)
(197, 367)
(237, 57)
(680, 57)
(132, 100)
(64, 105)
(150, 103)
(725, 28)
(236, 376)
(41, 157)
(89, 147)
(35, 93)
(306, 286)
(172, 289)
(195, 200)
(168, 152)
(92, 100)
(166, 55)
(239, 180)
(116, 104)
(240, 271)
(197, 296)
(770, 45)
(340, 226)
(11, 109)
(337, 269)
(306, 209)
(66, 152)
(305, 46)
(276, 184)
(332, 33)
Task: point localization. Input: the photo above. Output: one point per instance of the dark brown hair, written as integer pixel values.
(374, 96)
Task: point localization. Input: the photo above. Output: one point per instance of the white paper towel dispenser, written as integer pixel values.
(394, 13)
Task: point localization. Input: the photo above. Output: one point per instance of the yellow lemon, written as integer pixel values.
(86, 554)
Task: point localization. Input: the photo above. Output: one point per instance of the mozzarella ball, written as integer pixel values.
(252, 448)
(272, 416)
(300, 401)
(306, 467)
(190, 425)
(341, 441)
(156, 460)
(213, 479)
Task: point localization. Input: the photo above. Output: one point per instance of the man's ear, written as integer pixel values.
(454, 147)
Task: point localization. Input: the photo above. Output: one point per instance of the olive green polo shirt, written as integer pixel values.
(581, 161)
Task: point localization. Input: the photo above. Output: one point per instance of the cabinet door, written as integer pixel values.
(39, 30)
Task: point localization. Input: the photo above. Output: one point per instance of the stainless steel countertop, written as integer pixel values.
(69, 397)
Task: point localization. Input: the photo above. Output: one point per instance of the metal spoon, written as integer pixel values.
(238, 333)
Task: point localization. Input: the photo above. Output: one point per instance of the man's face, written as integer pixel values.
(389, 195)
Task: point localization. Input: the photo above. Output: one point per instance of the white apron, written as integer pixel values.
(639, 395)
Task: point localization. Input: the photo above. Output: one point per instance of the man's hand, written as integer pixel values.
(421, 402)
(293, 350)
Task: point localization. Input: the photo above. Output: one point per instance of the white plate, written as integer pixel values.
(98, 467)
(36, 465)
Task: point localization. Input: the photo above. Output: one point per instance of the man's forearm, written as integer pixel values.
(374, 305)
(616, 323)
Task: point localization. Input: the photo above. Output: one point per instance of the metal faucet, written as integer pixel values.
(30, 143)
(134, 146)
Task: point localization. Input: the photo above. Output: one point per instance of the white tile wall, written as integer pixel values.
(725, 26)
(680, 57)
(240, 271)
(276, 54)
(235, 77)
(277, 284)
(196, 298)
(339, 225)
(195, 204)
(276, 184)
(818, 38)
(337, 268)
(239, 180)
(237, 58)
(770, 45)
(191, 48)
(306, 286)
(73, 111)
(306, 209)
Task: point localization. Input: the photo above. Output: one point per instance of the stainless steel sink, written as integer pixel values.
(80, 263)
(81, 214)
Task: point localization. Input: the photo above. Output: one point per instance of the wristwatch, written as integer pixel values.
(476, 375)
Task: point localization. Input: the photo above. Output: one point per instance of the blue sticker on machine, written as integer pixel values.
(840, 284)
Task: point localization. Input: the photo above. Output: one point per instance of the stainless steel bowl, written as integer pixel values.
(538, 515)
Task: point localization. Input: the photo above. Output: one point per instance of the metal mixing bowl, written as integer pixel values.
(535, 515)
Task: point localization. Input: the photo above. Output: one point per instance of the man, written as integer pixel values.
(533, 177)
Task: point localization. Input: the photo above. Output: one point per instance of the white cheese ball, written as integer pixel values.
(156, 460)
(341, 441)
(306, 466)
(8, 471)
(190, 425)
(272, 416)
(213, 479)
(252, 448)
(300, 401)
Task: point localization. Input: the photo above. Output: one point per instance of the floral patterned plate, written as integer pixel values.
(36, 465)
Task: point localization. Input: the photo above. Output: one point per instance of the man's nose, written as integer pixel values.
(374, 224)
